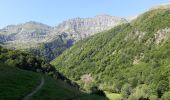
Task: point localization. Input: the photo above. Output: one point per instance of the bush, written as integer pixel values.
(162, 87)
(166, 96)
(142, 92)
(126, 90)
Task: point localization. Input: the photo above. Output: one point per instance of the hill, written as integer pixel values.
(131, 59)
(15, 84)
(23, 76)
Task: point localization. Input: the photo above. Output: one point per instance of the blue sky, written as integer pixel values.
(52, 12)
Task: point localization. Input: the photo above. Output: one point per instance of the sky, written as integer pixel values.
(53, 12)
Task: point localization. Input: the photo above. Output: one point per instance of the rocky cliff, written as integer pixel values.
(51, 41)
(80, 28)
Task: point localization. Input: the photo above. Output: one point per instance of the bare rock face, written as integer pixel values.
(87, 78)
(162, 35)
(32, 33)
(135, 35)
(80, 28)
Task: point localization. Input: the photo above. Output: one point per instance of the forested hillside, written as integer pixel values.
(26, 61)
(131, 59)
(21, 73)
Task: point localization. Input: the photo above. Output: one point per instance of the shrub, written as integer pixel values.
(142, 92)
(162, 87)
(126, 90)
(166, 96)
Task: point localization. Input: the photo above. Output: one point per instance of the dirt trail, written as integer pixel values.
(35, 90)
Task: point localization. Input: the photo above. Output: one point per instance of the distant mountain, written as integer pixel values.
(80, 28)
(49, 42)
(24, 35)
(132, 58)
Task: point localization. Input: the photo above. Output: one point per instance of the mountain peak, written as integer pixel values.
(32, 22)
(35, 23)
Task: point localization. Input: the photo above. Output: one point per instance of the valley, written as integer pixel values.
(94, 58)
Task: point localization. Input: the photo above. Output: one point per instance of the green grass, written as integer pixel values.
(59, 90)
(112, 96)
(15, 83)
(54, 90)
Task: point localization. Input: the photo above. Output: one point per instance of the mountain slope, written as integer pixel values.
(23, 76)
(49, 42)
(59, 90)
(131, 59)
(15, 84)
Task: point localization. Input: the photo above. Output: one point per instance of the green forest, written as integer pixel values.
(128, 59)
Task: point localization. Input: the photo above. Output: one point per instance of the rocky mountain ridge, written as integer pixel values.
(79, 28)
(48, 41)
(76, 29)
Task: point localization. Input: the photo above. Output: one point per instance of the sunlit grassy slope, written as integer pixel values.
(113, 96)
(59, 90)
(16, 83)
